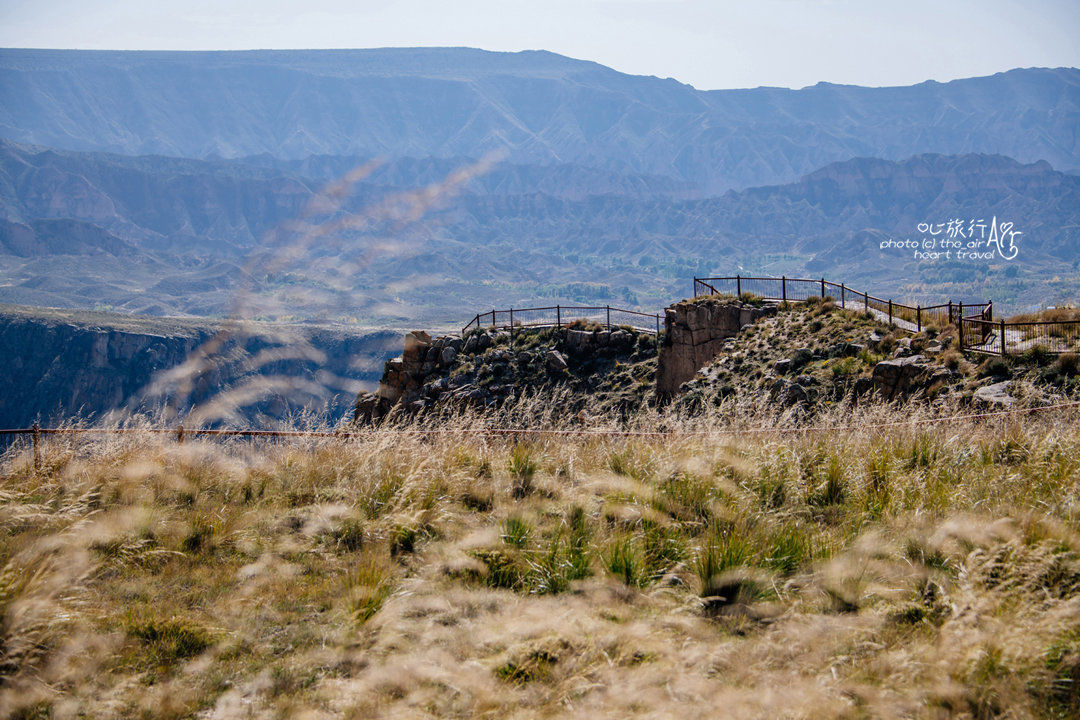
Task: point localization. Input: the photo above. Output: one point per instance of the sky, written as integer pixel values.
(708, 44)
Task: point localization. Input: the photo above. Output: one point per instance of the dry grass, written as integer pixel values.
(930, 571)
(1062, 314)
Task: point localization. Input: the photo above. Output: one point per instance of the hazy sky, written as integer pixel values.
(717, 44)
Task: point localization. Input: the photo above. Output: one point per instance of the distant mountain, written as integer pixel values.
(538, 107)
(162, 236)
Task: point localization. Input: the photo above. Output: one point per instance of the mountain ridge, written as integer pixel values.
(181, 242)
(538, 107)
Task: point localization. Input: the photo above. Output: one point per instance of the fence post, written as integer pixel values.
(890, 311)
(492, 318)
(1002, 337)
(37, 445)
(961, 313)
(511, 326)
(783, 288)
(866, 302)
(960, 325)
(989, 309)
(608, 308)
(822, 288)
(558, 317)
(180, 435)
(950, 312)
(738, 285)
(918, 317)
(843, 292)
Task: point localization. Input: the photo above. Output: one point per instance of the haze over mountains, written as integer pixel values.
(539, 107)
(143, 181)
(164, 236)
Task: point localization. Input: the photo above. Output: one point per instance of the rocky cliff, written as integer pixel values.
(694, 333)
(59, 364)
(589, 367)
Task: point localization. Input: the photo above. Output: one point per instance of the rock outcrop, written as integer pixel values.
(486, 368)
(694, 332)
(995, 396)
(907, 375)
(404, 377)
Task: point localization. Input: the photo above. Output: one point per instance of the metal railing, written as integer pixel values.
(1002, 337)
(559, 316)
(783, 289)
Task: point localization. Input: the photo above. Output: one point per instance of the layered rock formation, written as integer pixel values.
(694, 332)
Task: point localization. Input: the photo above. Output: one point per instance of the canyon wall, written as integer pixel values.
(62, 364)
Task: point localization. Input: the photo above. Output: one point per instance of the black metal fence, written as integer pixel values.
(1003, 338)
(558, 316)
(798, 289)
(977, 329)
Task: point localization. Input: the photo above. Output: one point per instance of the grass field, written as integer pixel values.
(915, 571)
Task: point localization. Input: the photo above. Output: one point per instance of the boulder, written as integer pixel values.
(846, 349)
(370, 408)
(556, 362)
(901, 376)
(448, 356)
(416, 343)
(788, 393)
(578, 339)
(995, 396)
(863, 386)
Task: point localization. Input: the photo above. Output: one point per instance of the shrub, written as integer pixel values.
(367, 586)
(749, 298)
(624, 559)
(724, 549)
(168, 641)
(523, 465)
(788, 549)
(348, 535)
(516, 531)
(1068, 364)
(994, 367)
(1038, 355)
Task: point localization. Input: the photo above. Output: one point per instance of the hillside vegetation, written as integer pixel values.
(908, 571)
(801, 359)
(166, 236)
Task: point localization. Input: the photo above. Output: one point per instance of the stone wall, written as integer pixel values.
(694, 331)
